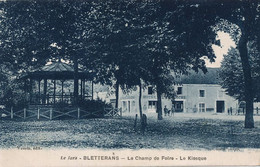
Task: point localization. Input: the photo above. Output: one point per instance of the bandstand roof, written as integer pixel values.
(57, 70)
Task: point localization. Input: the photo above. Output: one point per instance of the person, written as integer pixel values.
(165, 110)
(195, 109)
(230, 110)
(173, 110)
(143, 123)
(135, 124)
(169, 112)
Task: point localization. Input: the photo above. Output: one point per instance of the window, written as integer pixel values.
(152, 104)
(179, 90)
(124, 105)
(133, 103)
(202, 93)
(202, 107)
(150, 90)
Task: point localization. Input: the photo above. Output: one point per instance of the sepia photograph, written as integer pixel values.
(129, 82)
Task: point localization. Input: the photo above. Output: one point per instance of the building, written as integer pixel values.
(198, 93)
(202, 98)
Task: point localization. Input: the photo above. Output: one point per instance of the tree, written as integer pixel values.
(104, 36)
(231, 74)
(173, 45)
(245, 16)
(21, 44)
(226, 16)
(43, 30)
(203, 16)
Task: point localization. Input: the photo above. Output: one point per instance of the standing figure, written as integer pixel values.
(195, 109)
(143, 123)
(135, 124)
(165, 111)
(173, 110)
(169, 112)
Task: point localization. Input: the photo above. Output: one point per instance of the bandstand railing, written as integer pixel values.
(52, 99)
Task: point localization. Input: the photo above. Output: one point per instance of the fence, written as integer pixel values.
(52, 113)
(241, 111)
(113, 112)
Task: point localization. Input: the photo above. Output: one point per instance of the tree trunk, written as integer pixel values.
(249, 95)
(159, 104)
(140, 101)
(117, 93)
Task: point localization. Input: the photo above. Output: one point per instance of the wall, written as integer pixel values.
(213, 93)
(190, 97)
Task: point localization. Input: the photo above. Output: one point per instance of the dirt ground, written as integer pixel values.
(187, 131)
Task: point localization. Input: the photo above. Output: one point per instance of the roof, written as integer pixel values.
(57, 70)
(211, 77)
(56, 67)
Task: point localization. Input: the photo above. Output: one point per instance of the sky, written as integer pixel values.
(226, 42)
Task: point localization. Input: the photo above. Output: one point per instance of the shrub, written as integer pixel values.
(61, 106)
(14, 98)
(94, 106)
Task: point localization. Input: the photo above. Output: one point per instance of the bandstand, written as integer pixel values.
(54, 83)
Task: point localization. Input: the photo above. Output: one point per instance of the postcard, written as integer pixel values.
(129, 83)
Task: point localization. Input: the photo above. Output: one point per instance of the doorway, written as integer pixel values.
(178, 105)
(129, 109)
(220, 106)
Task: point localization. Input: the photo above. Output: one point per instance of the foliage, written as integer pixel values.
(231, 74)
(94, 106)
(11, 91)
(241, 20)
(61, 106)
(13, 96)
(143, 41)
(126, 42)
(171, 46)
(122, 42)
(88, 106)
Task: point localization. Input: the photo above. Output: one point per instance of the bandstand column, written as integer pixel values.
(39, 91)
(62, 89)
(25, 86)
(92, 90)
(26, 89)
(84, 87)
(45, 91)
(81, 89)
(54, 92)
(30, 90)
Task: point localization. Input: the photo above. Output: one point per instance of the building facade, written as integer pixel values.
(198, 92)
(190, 98)
(202, 98)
